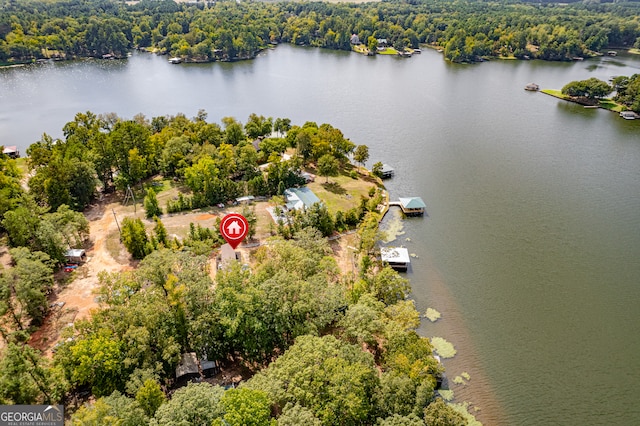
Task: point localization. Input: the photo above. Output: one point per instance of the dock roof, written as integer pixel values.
(412, 203)
(395, 254)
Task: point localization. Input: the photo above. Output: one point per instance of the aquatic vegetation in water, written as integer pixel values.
(432, 315)
(444, 348)
(462, 379)
(392, 228)
(459, 380)
(463, 408)
(446, 394)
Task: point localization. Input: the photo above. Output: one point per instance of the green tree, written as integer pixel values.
(252, 219)
(24, 288)
(150, 397)
(151, 206)
(258, 126)
(246, 407)
(334, 379)
(372, 44)
(96, 360)
(26, 378)
(361, 154)
(135, 238)
(328, 166)
(592, 88)
(160, 232)
(377, 169)
(113, 410)
(438, 413)
(398, 420)
(195, 404)
(282, 125)
(297, 415)
(10, 188)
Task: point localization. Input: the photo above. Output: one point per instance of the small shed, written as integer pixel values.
(188, 367)
(396, 257)
(412, 206)
(76, 256)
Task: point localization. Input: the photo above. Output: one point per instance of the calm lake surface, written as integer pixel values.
(531, 247)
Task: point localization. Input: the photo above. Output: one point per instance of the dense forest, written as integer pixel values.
(467, 31)
(315, 345)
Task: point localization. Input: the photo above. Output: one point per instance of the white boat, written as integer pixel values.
(532, 87)
(175, 60)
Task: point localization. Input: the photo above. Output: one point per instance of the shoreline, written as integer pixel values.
(615, 107)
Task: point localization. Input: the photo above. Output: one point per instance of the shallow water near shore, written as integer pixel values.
(531, 244)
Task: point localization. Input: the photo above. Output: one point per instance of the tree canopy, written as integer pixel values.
(228, 30)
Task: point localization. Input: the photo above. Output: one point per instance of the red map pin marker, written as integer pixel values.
(234, 227)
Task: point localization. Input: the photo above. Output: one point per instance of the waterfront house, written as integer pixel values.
(300, 198)
(412, 206)
(396, 257)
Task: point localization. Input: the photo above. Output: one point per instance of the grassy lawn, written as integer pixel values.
(610, 105)
(605, 103)
(388, 51)
(341, 192)
(360, 49)
(634, 51)
(555, 93)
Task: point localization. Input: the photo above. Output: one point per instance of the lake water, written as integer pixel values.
(531, 246)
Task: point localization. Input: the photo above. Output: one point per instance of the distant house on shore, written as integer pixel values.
(11, 151)
(354, 39)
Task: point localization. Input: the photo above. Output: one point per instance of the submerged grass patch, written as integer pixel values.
(446, 394)
(444, 348)
(463, 408)
(432, 315)
(459, 380)
(392, 228)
